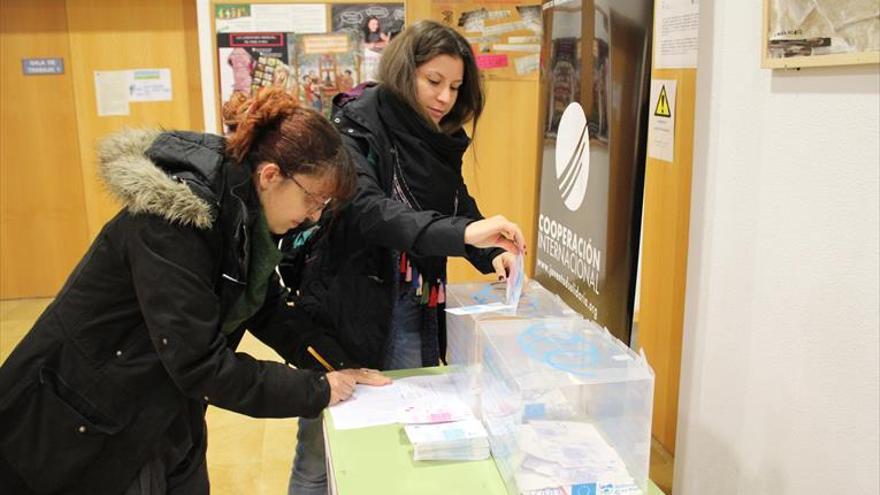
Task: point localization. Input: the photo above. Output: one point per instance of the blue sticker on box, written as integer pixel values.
(583, 489)
(532, 411)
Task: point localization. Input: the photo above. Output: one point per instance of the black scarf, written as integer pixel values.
(429, 160)
(427, 176)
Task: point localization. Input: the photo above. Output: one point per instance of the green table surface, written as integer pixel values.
(379, 460)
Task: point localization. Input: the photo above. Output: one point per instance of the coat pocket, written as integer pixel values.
(51, 433)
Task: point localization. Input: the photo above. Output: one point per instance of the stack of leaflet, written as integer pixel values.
(438, 424)
(464, 440)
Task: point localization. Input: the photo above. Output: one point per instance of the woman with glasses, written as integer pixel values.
(107, 392)
(378, 273)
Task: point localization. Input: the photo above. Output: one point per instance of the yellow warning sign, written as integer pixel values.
(662, 109)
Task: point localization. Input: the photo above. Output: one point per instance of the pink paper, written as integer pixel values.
(491, 61)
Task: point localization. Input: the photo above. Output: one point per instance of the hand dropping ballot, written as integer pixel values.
(515, 280)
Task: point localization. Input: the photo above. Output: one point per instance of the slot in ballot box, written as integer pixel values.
(567, 406)
(463, 347)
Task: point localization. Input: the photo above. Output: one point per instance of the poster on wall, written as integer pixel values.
(371, 26)
(326, 64)
(593, 157)
(820, 32)
(505, 36)
(249, 61)
(267, 17)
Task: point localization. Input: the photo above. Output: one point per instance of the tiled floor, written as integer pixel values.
(246, 456)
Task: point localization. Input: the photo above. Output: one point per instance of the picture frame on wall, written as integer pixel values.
(816, 33)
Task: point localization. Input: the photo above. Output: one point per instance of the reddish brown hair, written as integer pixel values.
(276, 129)
(233, 110)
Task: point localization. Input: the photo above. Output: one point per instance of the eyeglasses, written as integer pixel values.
(313, 203)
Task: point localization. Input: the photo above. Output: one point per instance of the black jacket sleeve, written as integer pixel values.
(481, 259)
(388, 223)
(290, 331)
(174, 274)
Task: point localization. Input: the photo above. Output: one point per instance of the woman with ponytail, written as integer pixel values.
(107, 392)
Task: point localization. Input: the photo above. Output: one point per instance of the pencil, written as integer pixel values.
(321, 360)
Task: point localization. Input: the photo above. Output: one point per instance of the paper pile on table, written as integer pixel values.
(464, 440)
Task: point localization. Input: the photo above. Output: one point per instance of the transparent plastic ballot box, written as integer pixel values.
(463, 352)
(567, 407)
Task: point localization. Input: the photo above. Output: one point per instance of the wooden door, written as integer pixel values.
(43, 230)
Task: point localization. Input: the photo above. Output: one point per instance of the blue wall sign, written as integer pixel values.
(42, 66)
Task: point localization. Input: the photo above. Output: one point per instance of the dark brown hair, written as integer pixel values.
(276, 129)
(420, 43)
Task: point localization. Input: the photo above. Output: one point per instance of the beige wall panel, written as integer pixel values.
(110, 35)
(664, 259)
(43, 230)
(505, 177)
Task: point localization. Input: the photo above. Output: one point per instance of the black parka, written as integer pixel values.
(347, 281)
(122, 364)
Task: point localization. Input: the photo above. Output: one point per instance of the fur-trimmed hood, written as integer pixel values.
(142, 186)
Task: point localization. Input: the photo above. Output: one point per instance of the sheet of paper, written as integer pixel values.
(111, 92)
(445, 432)
(480, 308)
(261, 18)
(661, 120)
(149, 85)
(515, 283)
(373, 406)
(676, 32)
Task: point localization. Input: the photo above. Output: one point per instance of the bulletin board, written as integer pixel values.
(312, 50)
(505, 35)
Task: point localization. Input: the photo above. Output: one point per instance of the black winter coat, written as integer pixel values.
(347, 282)
(121, 366)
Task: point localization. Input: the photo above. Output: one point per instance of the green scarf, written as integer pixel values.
(265, 256)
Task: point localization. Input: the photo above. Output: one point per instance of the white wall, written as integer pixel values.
(206, 62)
(779, 391)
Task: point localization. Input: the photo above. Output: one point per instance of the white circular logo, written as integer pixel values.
(573, 156)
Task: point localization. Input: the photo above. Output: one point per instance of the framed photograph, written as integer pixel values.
(813, 33)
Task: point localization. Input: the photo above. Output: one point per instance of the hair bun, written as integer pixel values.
(233, 110)
(271, 105)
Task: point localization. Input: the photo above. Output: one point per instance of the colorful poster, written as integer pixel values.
(249, 61)
(326, 64)
(371, 26)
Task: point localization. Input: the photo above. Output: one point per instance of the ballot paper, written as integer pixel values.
(464, 440)
(570, 454)
(512, 295)
(417, 399)
(515, 283)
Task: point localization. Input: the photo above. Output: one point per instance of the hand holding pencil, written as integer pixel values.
(342, 383)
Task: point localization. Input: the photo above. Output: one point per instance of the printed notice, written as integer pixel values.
(528, 64)
(111, 92)
(677, 25)
(661, 121)
(261, 18)
(149, 85)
